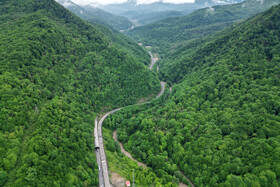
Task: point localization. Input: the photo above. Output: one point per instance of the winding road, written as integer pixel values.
(104, 180)
(153, 61)
(99, 146)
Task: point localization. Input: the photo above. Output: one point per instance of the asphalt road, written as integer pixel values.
(162, 89)
(100, 153)
(104, 171)
(153, 61)
(102, 161)
(100, 176)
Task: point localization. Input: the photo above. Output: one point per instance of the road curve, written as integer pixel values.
(100, 153)
(102, 163)
(162, 89)
(153, 61)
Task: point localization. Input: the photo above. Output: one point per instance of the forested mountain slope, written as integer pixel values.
(97, 15)
(109, 30)
(172, 33)
(116, 21)
(221, 125)
(56, 72)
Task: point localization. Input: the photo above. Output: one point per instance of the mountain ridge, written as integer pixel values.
(97, 15)
(220, 123)
(57, 72)
(167, 35)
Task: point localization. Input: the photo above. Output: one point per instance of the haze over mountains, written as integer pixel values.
(175, 32)
(144, 13)
(147, 13)
(216, 124)
(97, 15)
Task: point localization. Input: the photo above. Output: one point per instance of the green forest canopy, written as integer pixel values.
(56, 73)
(170, 34)
(220, 126)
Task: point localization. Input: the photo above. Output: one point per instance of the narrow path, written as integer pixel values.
(128, 29)
(125, 152)
(142, 164)
(187, 179)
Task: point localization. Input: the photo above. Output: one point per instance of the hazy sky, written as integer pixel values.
(103, 2)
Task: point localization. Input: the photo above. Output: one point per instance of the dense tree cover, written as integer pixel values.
(116, 21)
(124, 166)
(124, 42)
(221, 125)
(56, 73)
(169, 34)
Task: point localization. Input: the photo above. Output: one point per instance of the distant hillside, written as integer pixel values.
(148, 13)
(97, 15)
(117, 22)
(143, 18)
(57, 72)
(220, 125)
(133, 6)
(174, 32)
(113, 35)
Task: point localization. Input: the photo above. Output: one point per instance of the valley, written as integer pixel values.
(99, 146)
(200, 100)
(85, 103)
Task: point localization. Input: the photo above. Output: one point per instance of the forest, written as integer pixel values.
(169, 35)
(217, 123)
(57, 72)
(220, 123)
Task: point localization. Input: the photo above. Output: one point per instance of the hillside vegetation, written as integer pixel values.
(109, 30)
(169, 34)
(116, 21)
(221, 125)
(56, 72)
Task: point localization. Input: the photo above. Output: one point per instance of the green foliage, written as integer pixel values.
(120, 40)
(220, 126)
(124, 166)
(116, 21)
(56, 72)
(3, 177)
(170, 34)
(244, 43)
